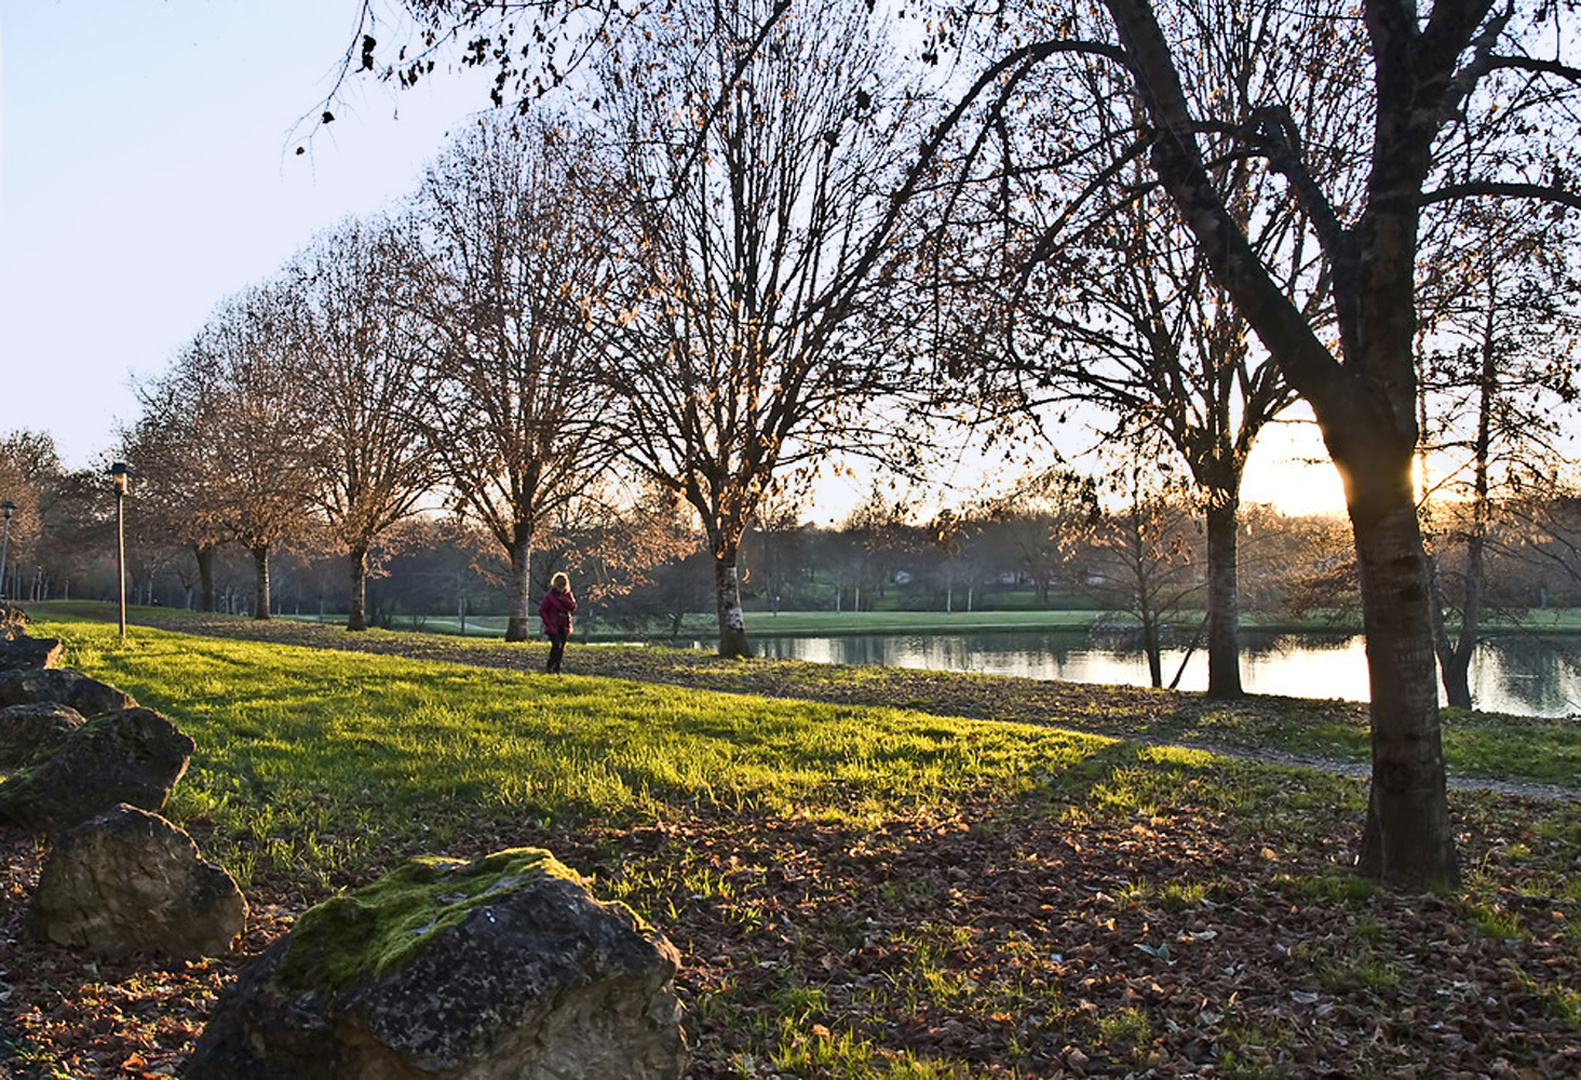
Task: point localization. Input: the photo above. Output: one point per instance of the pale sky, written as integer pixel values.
(147, 171)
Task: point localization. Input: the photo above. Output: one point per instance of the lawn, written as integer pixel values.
(867, 876)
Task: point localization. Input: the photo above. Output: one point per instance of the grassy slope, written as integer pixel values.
(1477, 745)
(865, 886)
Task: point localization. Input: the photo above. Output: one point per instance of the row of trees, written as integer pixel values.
(570, 316)
(1314, 158)
(1046, 542)
(761, 241)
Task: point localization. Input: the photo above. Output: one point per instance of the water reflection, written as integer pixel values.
(1527, 675)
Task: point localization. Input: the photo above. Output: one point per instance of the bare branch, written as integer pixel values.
(1503, 189)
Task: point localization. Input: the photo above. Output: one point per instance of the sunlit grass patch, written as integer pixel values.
(1128, 1027)
(1532, 749)
(303, 743)
(1332, 886)
(1495, 922)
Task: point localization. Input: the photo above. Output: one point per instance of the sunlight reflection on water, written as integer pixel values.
(1530, 676)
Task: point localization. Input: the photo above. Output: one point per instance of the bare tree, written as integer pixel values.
(30, 475)
(1147, 557)
(363, 349)
(519, 252)
(1499, 322)
(1041, 523)
(745, 345)
(239, 385)
(176, 468)
(1434, 80)
(1100, 297)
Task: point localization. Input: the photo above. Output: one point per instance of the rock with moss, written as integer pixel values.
(132, 756)
(131, 882)
(30, 733)
(501, 967)
(88, 696)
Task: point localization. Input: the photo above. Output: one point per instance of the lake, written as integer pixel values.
(1526, 675)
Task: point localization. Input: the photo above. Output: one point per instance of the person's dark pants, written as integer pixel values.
(556, 652)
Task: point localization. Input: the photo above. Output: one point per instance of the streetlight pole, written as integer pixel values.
(7, 508)
(118, 471)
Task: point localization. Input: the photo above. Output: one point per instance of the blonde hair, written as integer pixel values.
(559, 579)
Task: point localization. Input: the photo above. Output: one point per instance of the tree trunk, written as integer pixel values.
(205, 556)
(1224, 614)
(519, 628)
(1453, 668)
(357, 593)
(260, 554)
(1454, 660)
(1407, 838)
(1459, 694)
(1154, 648)
(727, 592)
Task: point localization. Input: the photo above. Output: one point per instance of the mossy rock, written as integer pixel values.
(375, 930)
(31, 733)
(501, 967)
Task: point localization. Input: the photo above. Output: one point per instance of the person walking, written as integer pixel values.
(555, 610)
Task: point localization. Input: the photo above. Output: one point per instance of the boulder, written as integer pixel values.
(132, 756)
(88, 696)
(29, 733)
(129, 881)
(23, 653)
(502, 967)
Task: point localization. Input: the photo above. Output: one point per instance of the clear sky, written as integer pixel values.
(147, 171)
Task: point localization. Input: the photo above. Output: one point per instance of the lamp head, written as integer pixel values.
(120, 471)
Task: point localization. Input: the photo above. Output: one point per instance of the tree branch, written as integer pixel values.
(1534, 65)
(1504, 189)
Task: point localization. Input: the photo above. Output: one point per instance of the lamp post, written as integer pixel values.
(118, 471)
(7, 508)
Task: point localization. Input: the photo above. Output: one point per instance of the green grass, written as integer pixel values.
(309, 755)
(1476, 745)
(876, 885)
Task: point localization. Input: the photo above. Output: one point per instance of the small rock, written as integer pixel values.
(88, 696)
(129, 881)
(23, 653)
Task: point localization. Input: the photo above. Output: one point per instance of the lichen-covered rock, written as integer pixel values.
(501, 968)
(88, 696)
(29, 733)
(132, 756)
(129, 881)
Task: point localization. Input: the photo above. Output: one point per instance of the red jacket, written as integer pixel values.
(555, 611)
